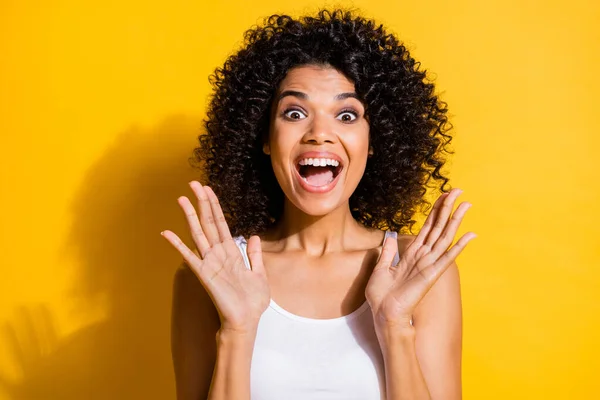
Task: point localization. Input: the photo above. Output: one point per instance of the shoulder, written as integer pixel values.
(190, 299)
(440, 311)
(444, 296)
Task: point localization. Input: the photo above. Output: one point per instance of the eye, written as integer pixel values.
(294, 114)
(347, 115)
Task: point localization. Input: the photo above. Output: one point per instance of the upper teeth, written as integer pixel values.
(319, 162)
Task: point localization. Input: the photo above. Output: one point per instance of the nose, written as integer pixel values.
(319, 131)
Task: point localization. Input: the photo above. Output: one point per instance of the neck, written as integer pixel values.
(316, 235)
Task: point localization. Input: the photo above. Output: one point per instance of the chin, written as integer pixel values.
(317, 208)
(320, 204)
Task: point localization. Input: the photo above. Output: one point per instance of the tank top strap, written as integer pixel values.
(395, 236)
(241, 243)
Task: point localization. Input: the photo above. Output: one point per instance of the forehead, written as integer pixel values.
(314, 78)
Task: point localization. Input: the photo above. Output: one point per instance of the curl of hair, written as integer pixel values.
(408, 122)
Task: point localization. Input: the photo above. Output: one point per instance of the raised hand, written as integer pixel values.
(394, 291)
(240, 295)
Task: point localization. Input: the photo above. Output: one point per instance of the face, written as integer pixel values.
(318, 140)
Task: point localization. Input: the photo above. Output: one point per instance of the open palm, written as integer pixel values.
(394, 291)
(239, 294)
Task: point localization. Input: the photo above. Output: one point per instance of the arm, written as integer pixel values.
(216, 299)
(209, 363)
(232, 372)
(438, 325)
(422, 359)
(194, 325)
(425, 362)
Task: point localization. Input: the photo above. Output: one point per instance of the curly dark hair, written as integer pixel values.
(408, 122)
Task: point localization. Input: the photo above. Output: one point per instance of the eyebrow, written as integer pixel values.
(304, 96)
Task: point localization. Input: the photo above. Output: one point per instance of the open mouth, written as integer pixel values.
(319, 171)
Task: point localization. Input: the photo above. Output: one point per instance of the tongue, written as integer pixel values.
(318, 176)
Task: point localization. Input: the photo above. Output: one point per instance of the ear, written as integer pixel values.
(266, 148)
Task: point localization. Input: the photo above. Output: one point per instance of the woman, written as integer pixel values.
(322, 137)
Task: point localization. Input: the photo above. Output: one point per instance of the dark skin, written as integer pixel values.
(318, 262)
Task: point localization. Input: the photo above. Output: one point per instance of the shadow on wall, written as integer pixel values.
(127, 198)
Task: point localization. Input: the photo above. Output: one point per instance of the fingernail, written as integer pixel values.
(162, 233)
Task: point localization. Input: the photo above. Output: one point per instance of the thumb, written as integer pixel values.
(254, 250)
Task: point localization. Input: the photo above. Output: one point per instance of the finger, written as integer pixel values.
(389, 250)
(442, 217)
(220, 220)
(449, 233)
(188, 255)
(195, 228)
(436, 270)
(207, 219)
(430, 219)
(254, 251)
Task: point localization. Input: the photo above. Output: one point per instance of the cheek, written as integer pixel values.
(281, 144)
(282, 137)
(358, 150)
(357, 147)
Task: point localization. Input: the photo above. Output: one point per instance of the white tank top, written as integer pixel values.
(298, 358)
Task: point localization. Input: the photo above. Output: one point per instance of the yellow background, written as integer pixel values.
(100, 105)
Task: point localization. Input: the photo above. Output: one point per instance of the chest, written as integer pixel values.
(297, 359)
(323, 288)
